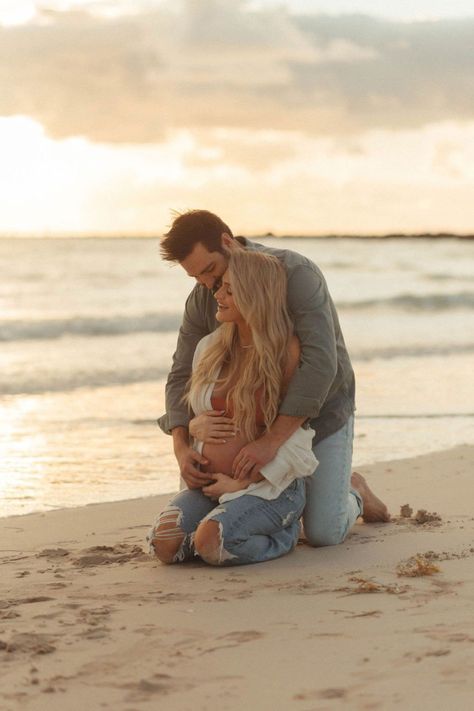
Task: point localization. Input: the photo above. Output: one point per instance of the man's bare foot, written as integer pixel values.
(374, 510)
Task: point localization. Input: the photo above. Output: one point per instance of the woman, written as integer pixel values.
(242, 368)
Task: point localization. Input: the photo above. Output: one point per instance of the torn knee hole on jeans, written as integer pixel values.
(213, 551)
(167, 527)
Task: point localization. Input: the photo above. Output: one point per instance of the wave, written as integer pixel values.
(49, 329)
(412, 351)
(414, 302)
(52, 382)
(449, 277)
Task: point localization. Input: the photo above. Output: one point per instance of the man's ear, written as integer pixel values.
(227, 240)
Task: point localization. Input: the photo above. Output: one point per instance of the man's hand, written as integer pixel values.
(253, 457)
(189, 460)
(212, 427)
(224, 484)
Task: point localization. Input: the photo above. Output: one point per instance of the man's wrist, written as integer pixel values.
(180, 438)
(282, 429)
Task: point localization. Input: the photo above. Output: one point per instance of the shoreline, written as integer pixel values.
(87, 618)
(364, 467)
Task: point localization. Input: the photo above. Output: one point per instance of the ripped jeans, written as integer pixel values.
(251, 529)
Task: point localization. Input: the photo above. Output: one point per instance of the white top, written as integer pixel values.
(293, 460)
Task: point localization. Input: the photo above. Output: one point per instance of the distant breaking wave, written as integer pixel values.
(49, 329)
(52, 381)
(415, 302)
(65, 382)
(413, 351)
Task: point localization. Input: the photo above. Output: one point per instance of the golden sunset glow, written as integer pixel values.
(291, 119)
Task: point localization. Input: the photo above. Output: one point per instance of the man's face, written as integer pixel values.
(204, 266)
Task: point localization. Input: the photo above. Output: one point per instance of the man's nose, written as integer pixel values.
(206, 280)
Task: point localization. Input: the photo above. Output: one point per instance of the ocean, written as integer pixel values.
(88, 327)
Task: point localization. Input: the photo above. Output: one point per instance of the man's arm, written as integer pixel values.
(192, 329)
(188, 459)
(314, 320)
(195, 326)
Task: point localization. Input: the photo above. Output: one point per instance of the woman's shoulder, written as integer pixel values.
(203, 344)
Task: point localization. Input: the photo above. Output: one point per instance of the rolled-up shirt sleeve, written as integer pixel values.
(294, 460)
(193, 328)
(311, 311)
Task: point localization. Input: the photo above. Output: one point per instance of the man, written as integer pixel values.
(322, 390)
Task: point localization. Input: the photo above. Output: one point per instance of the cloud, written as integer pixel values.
(284, 182)
(219, 64)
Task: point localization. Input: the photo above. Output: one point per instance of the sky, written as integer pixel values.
(301, 117)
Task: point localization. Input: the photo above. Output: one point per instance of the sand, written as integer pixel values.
(383, 621)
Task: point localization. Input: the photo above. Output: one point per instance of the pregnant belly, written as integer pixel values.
(221, 456)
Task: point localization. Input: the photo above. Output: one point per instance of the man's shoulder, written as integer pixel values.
(200, 311)
(291, 259)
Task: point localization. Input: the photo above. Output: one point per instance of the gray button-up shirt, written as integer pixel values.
(322, 388)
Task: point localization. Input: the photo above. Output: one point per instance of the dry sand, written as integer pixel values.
(383, 621)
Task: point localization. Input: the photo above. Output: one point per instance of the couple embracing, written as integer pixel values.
(259, 403)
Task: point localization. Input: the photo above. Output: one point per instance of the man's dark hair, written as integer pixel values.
(190, 228)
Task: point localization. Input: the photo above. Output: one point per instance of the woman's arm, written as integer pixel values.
(224, 484)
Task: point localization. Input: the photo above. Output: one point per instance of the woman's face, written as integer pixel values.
(227, 311)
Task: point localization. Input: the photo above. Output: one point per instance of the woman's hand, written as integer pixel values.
(211, 427)
(224, 484)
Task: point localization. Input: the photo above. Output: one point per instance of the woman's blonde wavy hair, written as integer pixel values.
(259, 289)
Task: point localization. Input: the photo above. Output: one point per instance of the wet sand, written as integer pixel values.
(89, 620)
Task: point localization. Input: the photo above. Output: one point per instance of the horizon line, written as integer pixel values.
(259, 235)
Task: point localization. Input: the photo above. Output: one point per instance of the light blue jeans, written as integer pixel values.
(251, 529)
(332, 507)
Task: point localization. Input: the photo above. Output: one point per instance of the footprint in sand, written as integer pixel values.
(8, 614)
(106, 555)
(331, 693)
(242, 636)
(28, 643)
(5, 604)
(52, 553)
(158, 684)
(233, 639)
(95, 619)
(94, 633)
(94, 616)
